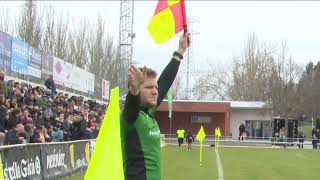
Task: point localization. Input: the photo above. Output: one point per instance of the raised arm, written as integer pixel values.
(169, 73)
(132, 104)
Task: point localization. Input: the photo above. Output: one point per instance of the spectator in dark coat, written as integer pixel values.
(40, 135)
(79, 126)
(50, 84)
(14, 118)
(3, 115)
(301, 139)
(15, 135)
(242, 130)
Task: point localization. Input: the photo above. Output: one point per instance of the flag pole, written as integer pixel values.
(170, 124)
(200, 153)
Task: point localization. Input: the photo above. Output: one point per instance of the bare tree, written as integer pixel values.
(283, 83)
(61, 37)
(5, 21)
(251, 72)
(29, 25)
(104, 57)
(177, 87)
(78, 44)
(214, 84)
(49, 36)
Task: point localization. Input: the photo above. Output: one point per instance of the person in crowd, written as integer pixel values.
(50, 84)
(28, 128)
(43, 118)
(25, 118)
(79, 127)
(40, 135)
(66, 127)
(3, 86)
(15, 135)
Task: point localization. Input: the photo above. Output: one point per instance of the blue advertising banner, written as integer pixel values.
(34, 67)
(20, 56)
(5, 50)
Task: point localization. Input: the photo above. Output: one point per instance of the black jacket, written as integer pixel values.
(12, 138)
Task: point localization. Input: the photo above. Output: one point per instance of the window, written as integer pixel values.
(257, 129)
(201, 119)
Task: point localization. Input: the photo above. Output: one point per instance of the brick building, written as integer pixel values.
(228, 115)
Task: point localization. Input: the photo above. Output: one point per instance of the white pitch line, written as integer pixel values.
(220, 170)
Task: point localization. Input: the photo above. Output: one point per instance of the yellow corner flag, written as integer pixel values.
(217, 132)
(106, 161)
(200, 136)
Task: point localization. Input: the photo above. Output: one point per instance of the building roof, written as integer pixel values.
(248, 105)
(233, 104)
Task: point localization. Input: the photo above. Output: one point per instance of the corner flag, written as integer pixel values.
(200, 136)
(106, 161)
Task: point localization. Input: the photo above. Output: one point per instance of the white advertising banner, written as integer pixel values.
(105, 89)
(78, 77)
(62, 72)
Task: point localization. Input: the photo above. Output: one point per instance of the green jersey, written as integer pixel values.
(140, 133)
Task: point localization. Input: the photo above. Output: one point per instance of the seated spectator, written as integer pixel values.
(14, 118)
(25, 118)
(55, 134)
(40, 135)
(28, 128)
(15, 135)
(78, 128)
(66, 127)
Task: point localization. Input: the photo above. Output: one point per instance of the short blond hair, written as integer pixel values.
(150, 74)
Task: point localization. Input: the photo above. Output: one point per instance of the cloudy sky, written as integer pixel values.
(222, 27)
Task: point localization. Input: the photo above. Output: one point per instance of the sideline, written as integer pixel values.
(219, 164)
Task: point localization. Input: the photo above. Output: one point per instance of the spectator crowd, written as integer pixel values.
(38, 115)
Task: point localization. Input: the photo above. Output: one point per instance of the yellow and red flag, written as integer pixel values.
(169, 19)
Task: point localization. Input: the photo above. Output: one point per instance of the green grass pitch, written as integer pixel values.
(238, 163)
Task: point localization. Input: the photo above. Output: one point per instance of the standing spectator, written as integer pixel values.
(50, 84)
(3, 114)
(3, 86)
(242, 130)
(301, 139)
(314, 140)
(282, 136)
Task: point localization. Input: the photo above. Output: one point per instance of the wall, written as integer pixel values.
(183, 120)
(238, 116)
